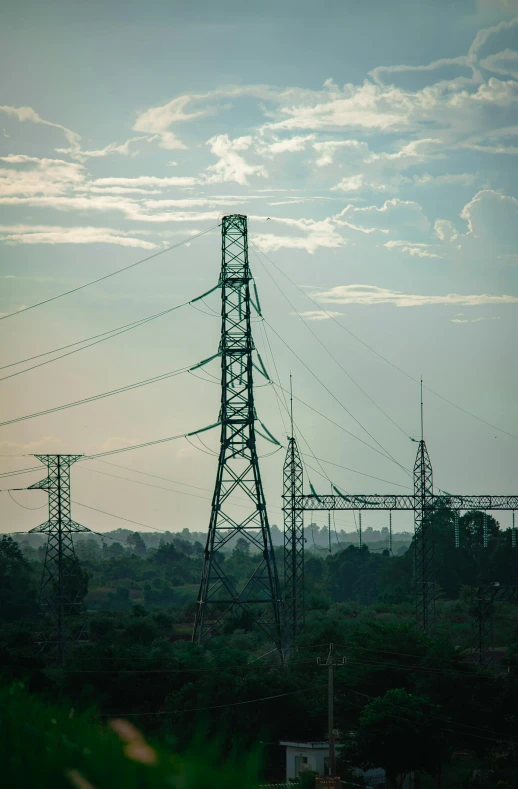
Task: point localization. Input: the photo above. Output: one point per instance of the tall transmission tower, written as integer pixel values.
(238, 503)
(60, 591)
(293, 543)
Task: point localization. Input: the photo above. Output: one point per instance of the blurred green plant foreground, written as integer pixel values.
(43, 745)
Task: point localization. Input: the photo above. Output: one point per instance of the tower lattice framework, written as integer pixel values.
(424, 539)
(60, 591)
(293, 546)
(238, 504)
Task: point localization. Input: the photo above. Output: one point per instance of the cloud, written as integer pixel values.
(464, 179)
(23, 114)
(27, 175)
(473, 320)
(505, 63)
(231, 165)
(416, 250)
(393, 215)
(317, 315)
(47, 234)
(146, 180)
(317, 234)
(157, 121)
(370, 294)
(288, 145)
(46, 444)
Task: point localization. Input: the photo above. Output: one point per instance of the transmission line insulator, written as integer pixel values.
(256, 601)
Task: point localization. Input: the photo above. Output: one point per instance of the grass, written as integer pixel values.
(47, 745)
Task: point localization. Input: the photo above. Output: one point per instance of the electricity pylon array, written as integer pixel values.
(60, 592)
(239, 506)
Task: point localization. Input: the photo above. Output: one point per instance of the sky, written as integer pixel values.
(373, 147)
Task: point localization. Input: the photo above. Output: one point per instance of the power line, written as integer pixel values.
(385, 452)
(339, 426)
(326, 349)
(384, 358)
(112, 333)
(100, 396)
(107, 276)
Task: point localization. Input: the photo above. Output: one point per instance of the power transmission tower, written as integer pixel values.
(238, 504)
(423, 535)
(60, 592)
(293, 543)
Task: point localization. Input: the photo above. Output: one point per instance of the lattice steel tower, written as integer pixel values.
(293, 479)
(60, 592)
(423, 536)
(238, 504)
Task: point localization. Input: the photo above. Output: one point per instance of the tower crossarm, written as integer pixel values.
(479, 502)
(358, 501)
(377, 501)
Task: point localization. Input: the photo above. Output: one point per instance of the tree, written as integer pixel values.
(136, 543)
(17, 589)
(400, 733)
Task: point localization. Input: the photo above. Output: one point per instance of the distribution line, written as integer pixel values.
(384, 358)
(104, 336)
(107, 276)
(129, 387)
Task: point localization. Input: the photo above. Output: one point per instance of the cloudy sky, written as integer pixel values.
(373, 147)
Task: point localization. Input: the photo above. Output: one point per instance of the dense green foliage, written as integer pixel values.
(403, 701)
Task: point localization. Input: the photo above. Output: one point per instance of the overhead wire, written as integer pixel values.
(384, 358)
(101, 395)
(326, 349)
(107, 276)
(384, 453)
(104, 337)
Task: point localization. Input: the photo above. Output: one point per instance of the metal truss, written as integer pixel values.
(60, 593)
(293, 546)
(423, 540)
(238, 504)
(483, 600)
(367, 501)
(423, 503)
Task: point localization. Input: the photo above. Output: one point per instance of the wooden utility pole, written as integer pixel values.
(331, 663)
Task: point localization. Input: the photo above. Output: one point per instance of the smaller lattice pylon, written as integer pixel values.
(293, 547)
(61, 591)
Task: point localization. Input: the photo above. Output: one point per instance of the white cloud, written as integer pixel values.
(394, 215)
(48, 234)
(370, 294)
(505, 63)
(317, 235)
(351, 183)
(413, 249)
(147, 180)
(157, 121)
(27, 175)
(318, 315)
(328, 148)
(288, 145)
(23, 114)
(231, 165)
(464, 179)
